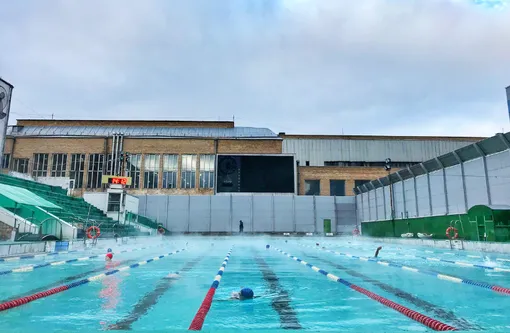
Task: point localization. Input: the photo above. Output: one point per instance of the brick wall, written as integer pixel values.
(349, 174)
(27, 147)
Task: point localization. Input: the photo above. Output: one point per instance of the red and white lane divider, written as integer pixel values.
(416, 316)
(198, 320)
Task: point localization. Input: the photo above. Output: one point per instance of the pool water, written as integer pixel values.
(291, 295)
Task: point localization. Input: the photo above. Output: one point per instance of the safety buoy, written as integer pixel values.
(355, 231)
(455, 235)
(161, 231)
(97, 232)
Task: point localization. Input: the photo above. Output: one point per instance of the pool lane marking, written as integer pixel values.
(65, 280)
(150, 299)
(461, 323)
(427, 251)
(280, 303)
(460, 263)
(203, 310)
(32, 256)
(416, 316)
(498, 289)
(30, 268)
(27, 299)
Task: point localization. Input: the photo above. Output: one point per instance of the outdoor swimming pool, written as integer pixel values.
(398, 291)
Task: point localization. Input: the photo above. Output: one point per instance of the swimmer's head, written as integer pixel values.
(109, 250)
(246, 293)
(109, 256)
(267, 246)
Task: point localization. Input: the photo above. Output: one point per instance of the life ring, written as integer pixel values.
(455, 235)
(161, 231)
(355, 231)
(96, 234)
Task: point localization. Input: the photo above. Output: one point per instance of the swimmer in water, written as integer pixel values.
(173, 276)
(243, 294)
(108, 257)
(377, 251)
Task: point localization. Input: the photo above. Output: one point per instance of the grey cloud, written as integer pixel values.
(370, 66)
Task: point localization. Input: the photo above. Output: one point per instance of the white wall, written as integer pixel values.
(498, 167)
(476, 186)
(98, 200)
(379, 193)
(372, 205)
(259, 213)
(462, 192)
(132, 204)
(398, 200)
(410, 198)
(455, 190)
(437, 192)
(388, 202)
(422, 193)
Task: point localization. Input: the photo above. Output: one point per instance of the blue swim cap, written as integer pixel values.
(247, 293)
(109, 250)
(267, 246)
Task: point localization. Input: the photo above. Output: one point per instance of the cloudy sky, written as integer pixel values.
(409, 67)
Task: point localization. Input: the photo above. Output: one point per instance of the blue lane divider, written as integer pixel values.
(24, 300)
(458, 263)
(30, 268)
(499, 289)
(31, 256)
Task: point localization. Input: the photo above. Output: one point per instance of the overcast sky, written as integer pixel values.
(398, 67)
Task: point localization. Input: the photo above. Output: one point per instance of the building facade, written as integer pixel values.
(335, 164)
(164, 157)
(178, 157)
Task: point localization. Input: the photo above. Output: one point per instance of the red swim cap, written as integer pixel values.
(110, 255)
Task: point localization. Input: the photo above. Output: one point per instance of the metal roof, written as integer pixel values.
(164, 132)
(493, 145)
(318, 151)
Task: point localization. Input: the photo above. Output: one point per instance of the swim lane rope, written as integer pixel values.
(416, 316)
(30, 268)
(24, 300)
(31, 256)
(502, 290)
(458, 263)
(198, 320)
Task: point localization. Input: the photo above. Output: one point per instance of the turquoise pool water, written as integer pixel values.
(292, 295)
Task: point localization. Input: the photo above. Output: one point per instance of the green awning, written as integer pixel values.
(24, 196)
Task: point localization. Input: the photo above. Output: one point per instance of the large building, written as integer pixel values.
(335, 164)
(180, 157)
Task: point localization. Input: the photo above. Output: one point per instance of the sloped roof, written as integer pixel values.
(165, 132)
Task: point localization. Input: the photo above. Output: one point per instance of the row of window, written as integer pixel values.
(336, 187)
(153, 166)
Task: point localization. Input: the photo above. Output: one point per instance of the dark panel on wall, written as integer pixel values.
(255, 174)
